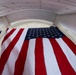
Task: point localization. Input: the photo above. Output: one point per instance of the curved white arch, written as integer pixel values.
(31, 23)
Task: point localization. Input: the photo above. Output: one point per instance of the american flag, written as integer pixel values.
(37, 51)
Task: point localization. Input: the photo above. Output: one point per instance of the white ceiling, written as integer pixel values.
(55, 6)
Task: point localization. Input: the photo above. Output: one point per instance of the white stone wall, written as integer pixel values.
(67, 24)
(3, 25)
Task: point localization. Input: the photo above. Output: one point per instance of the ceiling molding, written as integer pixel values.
(54, 6)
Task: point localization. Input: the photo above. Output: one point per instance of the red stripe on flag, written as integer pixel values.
(6, 53)
(39, 58)
(63, 63)
(8, 35)
(71, 45)
(19, 65)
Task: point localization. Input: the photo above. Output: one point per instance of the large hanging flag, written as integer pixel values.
(37, 51)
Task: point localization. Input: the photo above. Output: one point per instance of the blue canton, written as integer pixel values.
(51, 32)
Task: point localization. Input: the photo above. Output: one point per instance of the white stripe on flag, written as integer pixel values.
(29, 68)
(7, 41)
(68, 52)
(8, 31)
(10, 64)
(50, 60)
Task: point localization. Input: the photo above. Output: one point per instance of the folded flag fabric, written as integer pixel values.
(37, 51)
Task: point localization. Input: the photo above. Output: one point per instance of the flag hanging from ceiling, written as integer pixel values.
(37, 51)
